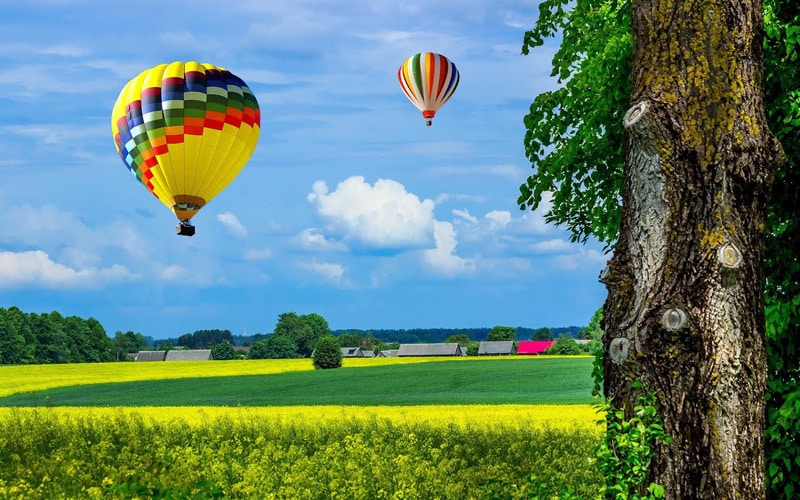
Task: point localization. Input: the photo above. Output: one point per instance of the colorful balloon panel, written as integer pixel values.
(185, 131)
(428, 80)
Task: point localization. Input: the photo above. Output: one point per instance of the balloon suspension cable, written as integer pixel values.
(185, 228)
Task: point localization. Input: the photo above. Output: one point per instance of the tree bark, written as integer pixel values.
(685, 285)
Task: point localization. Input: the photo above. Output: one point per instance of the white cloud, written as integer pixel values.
(464, 214)
(313, 239)
(443, 258)
(36, 269)
(232, 224)
(49, 226)
(380, 216)
(498, 219)
(329, 271)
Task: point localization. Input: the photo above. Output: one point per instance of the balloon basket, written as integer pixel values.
(185, 228)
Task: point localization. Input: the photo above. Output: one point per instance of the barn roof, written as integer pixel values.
(150, 356)
(489, 347)
(533, 346)
(430, 350)
(189, 355)
(352, 352)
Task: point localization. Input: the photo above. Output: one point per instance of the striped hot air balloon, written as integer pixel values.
(428, 80)
(185, 130)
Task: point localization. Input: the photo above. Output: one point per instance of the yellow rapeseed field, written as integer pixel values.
(24, 378)
(515, 416)
(15, 379)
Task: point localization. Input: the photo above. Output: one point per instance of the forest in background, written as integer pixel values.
(32, 338)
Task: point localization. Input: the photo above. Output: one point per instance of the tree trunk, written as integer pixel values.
(684, 313)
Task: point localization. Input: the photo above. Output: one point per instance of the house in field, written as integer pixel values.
(352, 352)
(431, 350)
(387, 353)
(189, 355)
(533, 346)
(497, 348)
(150, 356)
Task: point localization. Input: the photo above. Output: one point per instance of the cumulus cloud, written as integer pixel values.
(443, 258)
(232, 224)
(37, 269)
(380, 216)
(313, 239)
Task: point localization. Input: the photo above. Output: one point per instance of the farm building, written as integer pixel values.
(431, 350)
(150, 356)
(496, 348)
(533, 346)
(352, 352)
(189, 355)
(387, 353)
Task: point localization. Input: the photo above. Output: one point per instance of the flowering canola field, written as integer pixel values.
(297, 452)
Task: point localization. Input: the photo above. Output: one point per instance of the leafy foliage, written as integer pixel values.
(782, 265)
(274, 347)
(51, 338)
(302, 330)
(205, 339)
(542, 334)
(627, 447)
(327, 353)
(223, 351)
(565, 345)
(574, 137)
(502, 333)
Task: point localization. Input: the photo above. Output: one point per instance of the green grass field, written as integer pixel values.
(560, 381)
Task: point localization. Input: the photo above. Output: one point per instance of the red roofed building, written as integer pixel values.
(533, 346)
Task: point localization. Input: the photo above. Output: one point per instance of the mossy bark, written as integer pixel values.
(686, 283)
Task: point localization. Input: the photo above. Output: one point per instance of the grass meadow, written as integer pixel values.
(378, 428)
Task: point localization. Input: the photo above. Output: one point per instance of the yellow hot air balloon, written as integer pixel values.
(185, 130)
(428, 80)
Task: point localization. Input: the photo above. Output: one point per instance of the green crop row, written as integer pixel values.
(44, 455)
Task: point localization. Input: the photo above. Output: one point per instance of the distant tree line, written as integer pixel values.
(435, 335)
(204, 339)
(31, 338)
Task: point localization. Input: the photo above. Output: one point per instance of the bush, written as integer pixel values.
(327, 353)
(223, 350)
(564, 345)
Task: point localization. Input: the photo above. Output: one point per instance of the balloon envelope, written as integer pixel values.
(428, 80)
(185, 130)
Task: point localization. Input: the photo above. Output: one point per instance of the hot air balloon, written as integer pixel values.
(185, 130)
(428, 80)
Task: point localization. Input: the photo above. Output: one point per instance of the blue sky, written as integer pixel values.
(350, 206)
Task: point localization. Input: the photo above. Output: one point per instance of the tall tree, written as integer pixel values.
(499, 332)
(685, 308)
